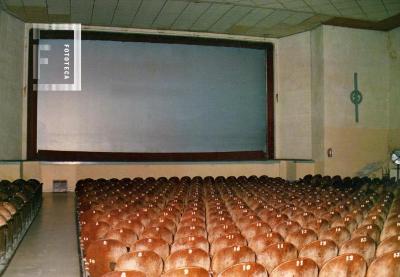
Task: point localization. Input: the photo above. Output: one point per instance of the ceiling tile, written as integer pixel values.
(125, 12)
(36, 14)
(254, 17)
(169, 13)
(57, 7)
(148, 11)
(16, 7)
(297, 18)
(393, 9)
(275, 18)
(268, 4)
(297, 5)
(190, 15)
(35, 3)
(103, 11)
(81, 11)
(211, 15)
(327, 9)
(230, 18)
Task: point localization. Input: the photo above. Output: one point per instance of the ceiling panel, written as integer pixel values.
(57, 7)
(16, 7)
(169, 13)
(190, 15)
(34, 3)
(125, 12)
(148, 12)
(210, 16)
(275, 18)
(268, 3)
(240, 17)
(81, 11)
(297, 18)
(230, 18)
(103, 12)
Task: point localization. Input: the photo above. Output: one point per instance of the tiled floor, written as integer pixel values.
(50, 245)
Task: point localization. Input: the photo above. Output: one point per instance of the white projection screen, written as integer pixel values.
(143, 97)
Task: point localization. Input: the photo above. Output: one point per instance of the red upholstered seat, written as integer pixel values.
(144, 261)
(229, 256)
(320, 251)
(188, 258)
(387, 265)
(244, 270)
(275, 254)
(298, 267)
(345, 265)
(187, 272)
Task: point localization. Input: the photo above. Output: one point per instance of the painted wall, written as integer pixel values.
(293, 101)
(393, 45)
(358, 148)
(11, 83)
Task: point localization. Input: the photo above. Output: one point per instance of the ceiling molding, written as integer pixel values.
(383, 25)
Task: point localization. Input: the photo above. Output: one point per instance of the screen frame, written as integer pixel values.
(35, 154)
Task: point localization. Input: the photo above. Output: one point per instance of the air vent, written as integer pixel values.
(60, 186)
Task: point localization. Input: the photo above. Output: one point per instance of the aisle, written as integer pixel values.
(50, 245)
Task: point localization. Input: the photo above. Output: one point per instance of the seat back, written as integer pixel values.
(229, 256)
(188, 258)
(187, 271)
(102, 255)
(364, 246)
(244, 270)
(345, 265)
(147, 262)
(275, 254)
(320, 251)
(303, 267)
(386, 265)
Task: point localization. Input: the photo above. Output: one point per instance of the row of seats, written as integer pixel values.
(20, 201)
(244, 226)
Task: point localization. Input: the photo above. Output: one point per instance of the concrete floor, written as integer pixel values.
(50, 247)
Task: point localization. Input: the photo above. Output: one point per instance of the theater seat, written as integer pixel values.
(320, 251)
(131, 273)
(275, 254)
(227, 240)
(370, 230)
(286, 227)
(159, 246)
(256, 228)
(158, 233)
(345, 265)
(301, 237)
(102, 255)
(229, 256)
(337, 234)
(145, 261)
(190, 242)
(388, 245)
(187, 272)
(364, 246)
(244, 270)
(260, 242)
(387, 265)
(297, 267)
(193, 257)
(390, 230)
(126, 236)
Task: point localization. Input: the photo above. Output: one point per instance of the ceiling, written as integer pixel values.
(260, 18)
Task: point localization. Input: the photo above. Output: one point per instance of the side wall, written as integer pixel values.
(393, 45)
(358, 148)
(11, 86)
